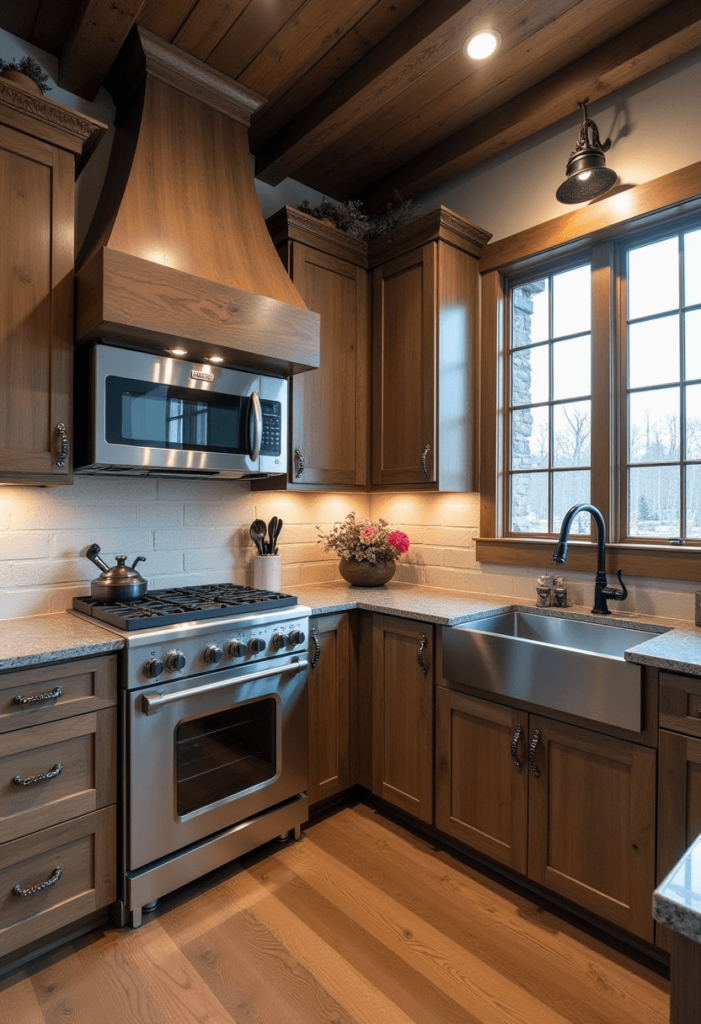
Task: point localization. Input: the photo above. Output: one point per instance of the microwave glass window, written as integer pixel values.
(143, 414)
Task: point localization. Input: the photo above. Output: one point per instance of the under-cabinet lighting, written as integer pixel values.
(216, 359)
(482, 44)
(178, 351)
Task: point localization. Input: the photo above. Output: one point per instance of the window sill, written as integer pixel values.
(651, 560)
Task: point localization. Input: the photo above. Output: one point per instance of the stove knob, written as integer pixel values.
(280, 641)
(153, 668)
(256, 645)
(297, 637)
(235, 649)
(213, 654)
(175, 661)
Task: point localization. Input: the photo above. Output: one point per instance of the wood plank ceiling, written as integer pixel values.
(369, 96)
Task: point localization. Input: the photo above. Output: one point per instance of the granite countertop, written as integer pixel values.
(674, 644)
(677, 901)
(41, 639)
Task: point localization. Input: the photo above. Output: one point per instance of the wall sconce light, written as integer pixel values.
(588, 177)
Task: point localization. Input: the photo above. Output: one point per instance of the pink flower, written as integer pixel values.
(368, 534)
(399, 540)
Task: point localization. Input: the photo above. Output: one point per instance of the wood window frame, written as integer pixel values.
(598, 229)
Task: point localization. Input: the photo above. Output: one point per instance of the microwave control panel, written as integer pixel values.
(272, 427)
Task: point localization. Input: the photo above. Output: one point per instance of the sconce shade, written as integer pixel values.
(588, 177)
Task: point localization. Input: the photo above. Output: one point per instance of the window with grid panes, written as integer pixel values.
(550, 401)
(663, 388)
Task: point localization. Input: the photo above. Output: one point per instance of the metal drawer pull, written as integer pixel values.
(54, 695)
(698, 712)
(427, 449)
(514, 747)
(420, 655)
(56, 770)
(300, 461)
(531, 753)
(42, 885)
(151, 705)
(317, 647)
(63, 454)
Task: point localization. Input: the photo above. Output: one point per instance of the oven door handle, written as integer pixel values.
(151, 705)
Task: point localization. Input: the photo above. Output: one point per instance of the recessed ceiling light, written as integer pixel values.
(178, 351)
(216, 359)
(482, 44)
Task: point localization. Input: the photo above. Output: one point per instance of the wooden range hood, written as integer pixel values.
(178, 253)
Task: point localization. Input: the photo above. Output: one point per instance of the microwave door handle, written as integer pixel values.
(255, 431)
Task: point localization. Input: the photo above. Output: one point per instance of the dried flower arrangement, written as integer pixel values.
(29, 67)
(364, 540)
(349, 217)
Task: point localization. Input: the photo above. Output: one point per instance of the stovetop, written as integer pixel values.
(183, 604)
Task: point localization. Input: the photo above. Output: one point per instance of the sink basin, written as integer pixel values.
(557, 663)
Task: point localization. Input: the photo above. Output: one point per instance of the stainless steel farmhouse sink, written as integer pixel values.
(558, 663)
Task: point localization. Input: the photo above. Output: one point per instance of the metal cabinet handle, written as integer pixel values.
(53, 695)
(63, 453)
(514, 748)
(420, 655)
(698, 712)
(317, 647)
(56, 770)
(531, 753)
(300, 463)
(19, 891)
(427, 449)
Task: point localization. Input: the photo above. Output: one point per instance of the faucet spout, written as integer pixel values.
(602, 592)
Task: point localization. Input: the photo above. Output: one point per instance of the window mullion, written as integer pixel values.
(603, 422)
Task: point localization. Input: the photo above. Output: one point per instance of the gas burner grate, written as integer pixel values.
(183, 604)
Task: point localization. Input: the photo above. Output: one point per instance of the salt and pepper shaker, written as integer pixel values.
(559, 593)
(543, 592)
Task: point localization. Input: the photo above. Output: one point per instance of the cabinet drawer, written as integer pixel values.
(84, 850)
(680, 703)
(80, 757)
(57, 691)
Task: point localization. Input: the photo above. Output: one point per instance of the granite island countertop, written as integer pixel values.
(677, 900)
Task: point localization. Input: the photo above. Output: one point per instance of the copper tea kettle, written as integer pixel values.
(118, 583)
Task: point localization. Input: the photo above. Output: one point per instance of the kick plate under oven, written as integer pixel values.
(205, 753)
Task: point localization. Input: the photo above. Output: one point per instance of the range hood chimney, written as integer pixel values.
(178, 254)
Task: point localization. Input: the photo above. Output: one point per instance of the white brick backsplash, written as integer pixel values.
(223, 513)
(193, 538)
(213, 558)
(47, 571)
(32, 601)
(161, 513)
(25, 545)
(112, 542)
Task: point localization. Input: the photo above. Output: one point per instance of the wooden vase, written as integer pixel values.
(365, 574)
(22, 80)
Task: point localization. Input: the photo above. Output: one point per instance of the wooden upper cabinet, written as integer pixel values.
(425, 354)
(39, 141)
(329, 406)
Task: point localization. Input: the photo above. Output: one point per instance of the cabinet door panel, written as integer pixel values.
(36, 289)
(402, 714)
(679, 806)
(329, 405)
(404, 369)
(592, 822)
(329, 708)
(481, 796)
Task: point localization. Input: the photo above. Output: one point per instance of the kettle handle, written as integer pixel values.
(140, 558)
(93, 554)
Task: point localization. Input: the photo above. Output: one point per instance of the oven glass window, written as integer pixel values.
(148, 415)
(224, 754)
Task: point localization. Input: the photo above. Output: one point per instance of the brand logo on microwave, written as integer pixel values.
(201, 375)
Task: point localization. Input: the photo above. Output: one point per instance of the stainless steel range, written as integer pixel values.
(214, 730)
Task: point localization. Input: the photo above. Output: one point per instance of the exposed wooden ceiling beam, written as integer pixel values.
(419, 44)
(652, 43)
(94, 40)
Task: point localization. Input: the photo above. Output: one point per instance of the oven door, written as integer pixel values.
(172, 415)
(206, 753)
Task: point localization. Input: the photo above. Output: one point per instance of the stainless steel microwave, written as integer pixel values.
(140, 414)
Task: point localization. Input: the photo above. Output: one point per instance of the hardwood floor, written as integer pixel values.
(362, 922)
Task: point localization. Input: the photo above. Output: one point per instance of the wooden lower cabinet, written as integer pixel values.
(329, 706)
(579, 820)
(679, 815)
(402, 714)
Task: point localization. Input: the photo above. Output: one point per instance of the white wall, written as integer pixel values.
(655, 127)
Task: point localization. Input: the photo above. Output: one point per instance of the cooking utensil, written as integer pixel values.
(257, 532)
(272, 526)
(119, 583)
(273, 539)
